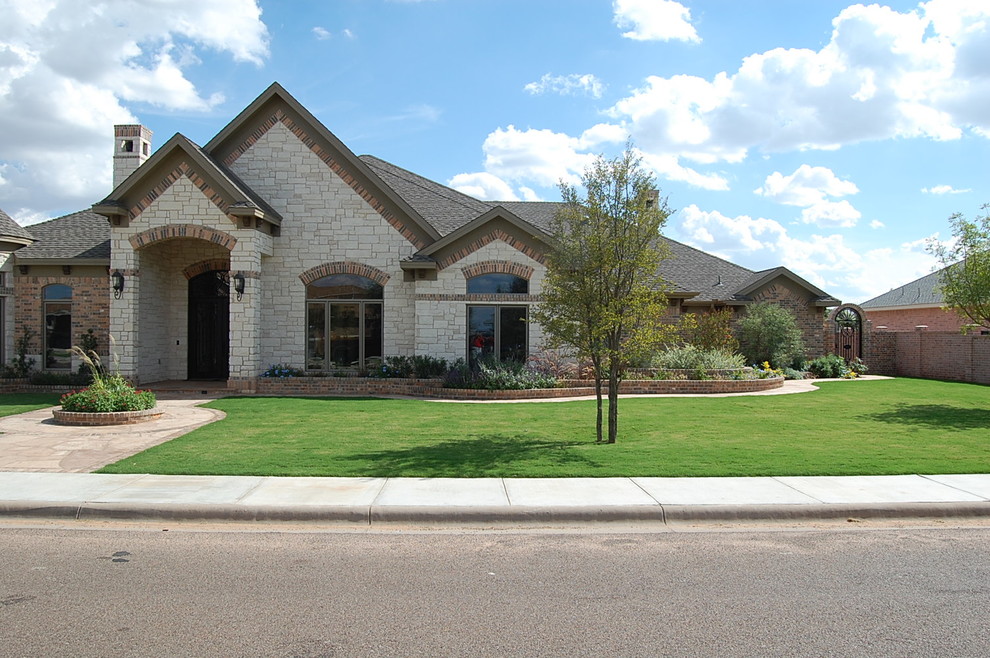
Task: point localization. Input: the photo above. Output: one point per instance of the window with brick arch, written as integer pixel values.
(57, 310)
(343, 322)
(497, 330)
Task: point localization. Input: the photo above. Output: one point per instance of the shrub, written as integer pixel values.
(20, 366)
(791, 373)
(689, 357)
(494, 375)
(709, 331)
(554, 363)
(829, 366)
(282, 370)
(769, 332)
(429, 367)
(108, 392)
(62, 378)
(857, 366)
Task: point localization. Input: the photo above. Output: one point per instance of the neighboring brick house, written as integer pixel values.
(918, 303)
(274, 243)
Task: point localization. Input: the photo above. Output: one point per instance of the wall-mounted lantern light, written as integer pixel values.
(239, 285)
(118, 283)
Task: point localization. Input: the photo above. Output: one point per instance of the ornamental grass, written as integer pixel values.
(109, 392)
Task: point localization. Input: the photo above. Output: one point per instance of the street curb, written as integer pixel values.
(488, 516)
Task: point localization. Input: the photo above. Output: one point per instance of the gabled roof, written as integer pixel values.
(79, 236)
(764, 277)
(276, 104)
(176, 152)
(11, 231)
(924, 292)
(445, 209)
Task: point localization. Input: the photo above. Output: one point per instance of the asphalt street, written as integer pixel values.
(226, 591)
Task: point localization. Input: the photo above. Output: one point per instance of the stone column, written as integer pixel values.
(125, 341)
(245, 319)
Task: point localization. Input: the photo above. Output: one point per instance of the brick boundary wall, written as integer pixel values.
(945, 355)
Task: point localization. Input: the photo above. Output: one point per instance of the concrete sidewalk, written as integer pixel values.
(490, 501)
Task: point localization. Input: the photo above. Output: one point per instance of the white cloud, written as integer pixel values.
(809, 188)
(877, 224)
(805, 187)
(68, 69)
(943, 189)
(567, 85)
(484, 186)
(543, 157)
(826, 261)
(321, 33)
(654, 20)
(883, 74)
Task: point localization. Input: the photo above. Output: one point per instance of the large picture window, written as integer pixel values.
(57, 301)
(497, 331)
(343, 322)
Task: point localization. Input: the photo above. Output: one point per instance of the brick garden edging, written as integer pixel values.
(106, 418)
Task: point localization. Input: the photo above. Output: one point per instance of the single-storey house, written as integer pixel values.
(918, 303)
(274, 243)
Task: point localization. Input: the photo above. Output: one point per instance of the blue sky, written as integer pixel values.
(828, 137)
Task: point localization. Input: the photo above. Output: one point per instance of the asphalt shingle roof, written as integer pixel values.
(81, 234)
(920, 291)
(11, 228)
(445, 209)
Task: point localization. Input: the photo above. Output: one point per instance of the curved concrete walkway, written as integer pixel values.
(32, 441)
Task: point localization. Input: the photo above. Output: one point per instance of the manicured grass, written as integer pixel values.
(18, 403)
(846, 428)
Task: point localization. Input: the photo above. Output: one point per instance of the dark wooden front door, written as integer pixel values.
(209, 325)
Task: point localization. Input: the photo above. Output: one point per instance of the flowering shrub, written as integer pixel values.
(282, 370)
(107, 393)
(765, 371)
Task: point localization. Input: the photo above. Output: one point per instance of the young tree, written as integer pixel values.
(769, 332)
(603, 295)
(965, 279)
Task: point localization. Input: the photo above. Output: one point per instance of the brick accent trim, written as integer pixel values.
(492, 297)
(173, 231)
(324, 155)
(212, 265)
(498, 267)
(183, 169)
(496, 234)
(344, 267)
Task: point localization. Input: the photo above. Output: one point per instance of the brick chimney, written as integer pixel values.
(131, 147)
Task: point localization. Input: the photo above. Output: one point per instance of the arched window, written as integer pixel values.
(57, 309)
(498, 330)
(343, 322)
(498, 283)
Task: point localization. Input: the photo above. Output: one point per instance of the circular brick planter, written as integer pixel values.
(106, 418)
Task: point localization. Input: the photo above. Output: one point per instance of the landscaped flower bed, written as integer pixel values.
(109, 400)
(433, 388)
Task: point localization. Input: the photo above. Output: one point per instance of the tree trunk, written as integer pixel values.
(613, 404)
(598, 395)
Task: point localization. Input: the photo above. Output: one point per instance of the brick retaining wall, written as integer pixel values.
(432, 388)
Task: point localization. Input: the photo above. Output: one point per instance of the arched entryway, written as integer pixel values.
(209, 325)
(847, 323)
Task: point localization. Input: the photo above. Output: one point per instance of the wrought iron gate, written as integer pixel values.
(848, 334)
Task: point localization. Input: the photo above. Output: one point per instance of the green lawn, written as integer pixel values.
(846, 428)
(18, 403)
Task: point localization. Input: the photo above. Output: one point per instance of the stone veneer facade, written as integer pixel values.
(327, 226)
